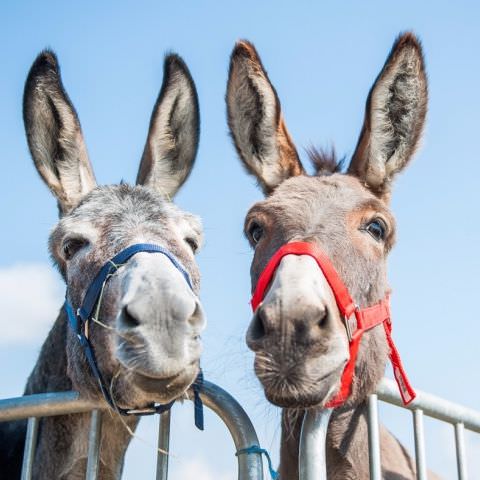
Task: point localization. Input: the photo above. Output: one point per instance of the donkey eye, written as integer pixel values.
(255, 232)
(71, 246)
(377, 229)
(193, 244)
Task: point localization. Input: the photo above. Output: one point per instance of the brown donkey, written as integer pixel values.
(146, 331)
(297, 333)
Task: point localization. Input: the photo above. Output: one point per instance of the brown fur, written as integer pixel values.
(248, 85)
(335, 211)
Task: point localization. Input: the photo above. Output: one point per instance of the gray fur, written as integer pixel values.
(148, 343)
(174, 132)
(54, 135)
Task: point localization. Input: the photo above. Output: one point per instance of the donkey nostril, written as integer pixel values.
(197, 318)
(128, 320)
(257, 329)
(322, 323)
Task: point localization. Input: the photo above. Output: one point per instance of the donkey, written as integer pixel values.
(297, 333)
(146, 332)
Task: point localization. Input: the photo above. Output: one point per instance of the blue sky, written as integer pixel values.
(322, 57)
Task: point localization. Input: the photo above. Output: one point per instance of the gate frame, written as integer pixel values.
(34, 407)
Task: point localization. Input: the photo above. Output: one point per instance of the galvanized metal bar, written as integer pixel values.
(312, 463)
(163, 445)
(94, 440)
(240, 427)
(420, 457)
(373, 438)
(460, 450)
(29, 450)
(43, 405)
(432, 406)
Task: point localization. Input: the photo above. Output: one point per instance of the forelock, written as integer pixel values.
(325, 161)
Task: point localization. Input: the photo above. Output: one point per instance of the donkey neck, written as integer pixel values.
(346, 449)
(63, 440)
(347, 452)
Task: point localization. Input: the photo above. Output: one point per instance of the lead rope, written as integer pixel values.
(261, 451)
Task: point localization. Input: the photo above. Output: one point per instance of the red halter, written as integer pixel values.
(357, 320)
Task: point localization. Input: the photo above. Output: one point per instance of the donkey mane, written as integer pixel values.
(325, 160)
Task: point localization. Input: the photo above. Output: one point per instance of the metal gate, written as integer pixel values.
(312, 443)
(218, 400)
(312, 467)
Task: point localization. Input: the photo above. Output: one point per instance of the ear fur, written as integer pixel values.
(394, 117)
(174, 131)
(54, 134)
(256, 122)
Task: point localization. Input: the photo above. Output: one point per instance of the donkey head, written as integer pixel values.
(147, 338)
(297, 333)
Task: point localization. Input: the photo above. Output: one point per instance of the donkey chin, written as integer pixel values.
(149, 372)
(157, 367)
(301, 384)
(136, 388)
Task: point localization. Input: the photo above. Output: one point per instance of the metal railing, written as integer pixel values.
(312, 461)
(313, 435)
(34, 407)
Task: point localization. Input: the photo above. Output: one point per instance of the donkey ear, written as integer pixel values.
(174, 131)
(256, 123)
(54, 135)
(394, 117)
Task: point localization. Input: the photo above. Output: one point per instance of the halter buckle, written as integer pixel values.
(351, 324)
(141, 411)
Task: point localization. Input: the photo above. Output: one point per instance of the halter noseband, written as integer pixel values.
(356, 320)
(79, 322)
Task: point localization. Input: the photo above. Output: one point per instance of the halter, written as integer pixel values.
(356, 320)
(79, 322)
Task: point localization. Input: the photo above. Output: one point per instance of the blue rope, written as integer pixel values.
(261, 451)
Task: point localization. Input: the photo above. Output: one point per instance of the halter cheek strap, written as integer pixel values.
(79, 322)
(356, 320)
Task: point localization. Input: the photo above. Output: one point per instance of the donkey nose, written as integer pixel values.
(197, 319)
(302, 323)
(127, 319)
(135, 315)
(260, 325)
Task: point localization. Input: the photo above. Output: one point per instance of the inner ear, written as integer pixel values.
(256, 123)
(394, 117)
(174, 131)
(54, 134)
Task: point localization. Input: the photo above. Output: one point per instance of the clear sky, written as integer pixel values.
(322, 57)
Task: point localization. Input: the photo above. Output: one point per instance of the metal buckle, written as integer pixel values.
(348, 325)
(141, 411)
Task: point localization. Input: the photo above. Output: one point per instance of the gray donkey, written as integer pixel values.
(146, 332)
(298, 334)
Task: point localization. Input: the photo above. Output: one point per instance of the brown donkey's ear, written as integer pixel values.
(174, 131)
(255, 120)
(394, 117)
(54, 135)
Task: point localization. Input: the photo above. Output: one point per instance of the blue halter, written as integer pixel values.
(79, 321)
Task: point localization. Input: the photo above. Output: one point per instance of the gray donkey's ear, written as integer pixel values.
(174, 131)
(54, 135)
(394, 117)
